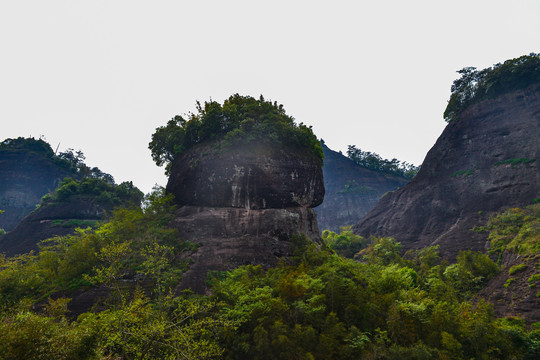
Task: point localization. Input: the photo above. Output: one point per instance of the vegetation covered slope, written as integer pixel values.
(315, 305)
(30, 169)
(75, 203)
(514, 238)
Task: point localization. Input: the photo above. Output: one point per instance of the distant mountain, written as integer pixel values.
(29, 169)
(74, 204)
(351, 190)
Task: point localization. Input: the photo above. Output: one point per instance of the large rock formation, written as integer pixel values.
(243, 204)
(25, 177)
(350, 190)
(485, 161)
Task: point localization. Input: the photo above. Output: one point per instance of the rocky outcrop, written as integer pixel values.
(74, 204)
(56, 219)
(25, 177)
(485, 161)
(350, 190)
(253, 176)
(242, 205)
(513, 294)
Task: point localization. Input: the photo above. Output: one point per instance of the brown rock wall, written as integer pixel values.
(243, 205)
(251, 176)
(462, 180)
(230, 237)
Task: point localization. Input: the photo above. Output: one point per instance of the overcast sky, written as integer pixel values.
(100, 76)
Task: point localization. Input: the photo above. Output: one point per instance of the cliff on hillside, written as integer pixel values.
(28, 171)
(484, 162)
(243, 204)
(350, 190)
(246, 178)
(74, 204)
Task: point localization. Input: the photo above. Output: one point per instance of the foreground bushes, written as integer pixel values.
(315, 305)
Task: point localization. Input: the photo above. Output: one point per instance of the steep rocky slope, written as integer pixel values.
(74, 204)
(485, 161)
(50, 221)
(243, 204)
(26, 176)
(350, 190)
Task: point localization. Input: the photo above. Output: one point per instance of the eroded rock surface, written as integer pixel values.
(350, 190)
(255, 176)
(229, 237)
(482, 163)
(242, 205)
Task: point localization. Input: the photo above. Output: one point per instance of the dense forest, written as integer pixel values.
(315, 305)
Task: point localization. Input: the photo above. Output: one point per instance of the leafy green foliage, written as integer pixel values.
(322, 306)
(471, 272)
(69, 159)
(464, 173)
(100, 190)
(74, 223)
(515, 162)
(476, 85)
(375, 162)
(27, 144)
(346, 243)
(182, 329)
(314, 305)
(516, 230)
(116, 249)
(240, 119)
(516, 268)
(136, 324)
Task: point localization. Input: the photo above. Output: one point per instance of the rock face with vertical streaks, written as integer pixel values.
(484, 162)
(243, 204)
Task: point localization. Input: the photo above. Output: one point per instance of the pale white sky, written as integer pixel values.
(100, 76)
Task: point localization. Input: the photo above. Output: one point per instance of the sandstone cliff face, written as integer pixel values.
(483, 163)
(350, 190)
(256, 176)
(25, 177)
(243, 205)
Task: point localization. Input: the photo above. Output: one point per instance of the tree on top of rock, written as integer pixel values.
(240, 118)
(476, 85)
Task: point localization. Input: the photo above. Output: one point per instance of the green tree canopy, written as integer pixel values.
(239, 119)
(69, 159)
(374, 161)
(100, 189)
(476, 85)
